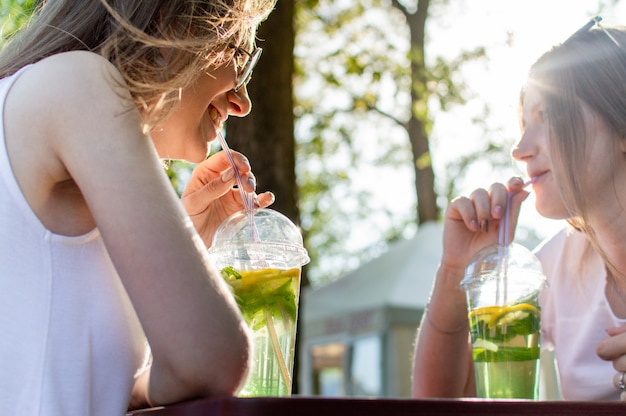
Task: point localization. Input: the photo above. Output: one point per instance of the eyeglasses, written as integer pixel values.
(245, 73)
(595, 21)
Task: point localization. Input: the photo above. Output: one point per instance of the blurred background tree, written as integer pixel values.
(14, 14)
(366, 90)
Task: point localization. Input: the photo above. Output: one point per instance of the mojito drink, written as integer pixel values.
(268, 301)
(505, 349)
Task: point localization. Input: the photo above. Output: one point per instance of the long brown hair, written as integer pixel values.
(588, 68)
(159, 46)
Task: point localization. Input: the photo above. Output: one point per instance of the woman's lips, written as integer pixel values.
(535, 177)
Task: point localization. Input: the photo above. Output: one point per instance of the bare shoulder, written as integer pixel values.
(74, 67)
(72, 93)
(59, 115)
(71, 78)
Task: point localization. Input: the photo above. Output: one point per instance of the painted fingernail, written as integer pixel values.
(474, 225)
(246, 161)
(497, 211)
(252, 182)
(228, 175)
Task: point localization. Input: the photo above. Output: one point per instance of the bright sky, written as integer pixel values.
(532, 26)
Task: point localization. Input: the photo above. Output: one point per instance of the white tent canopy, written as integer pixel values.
(358, 331)
(401, 278)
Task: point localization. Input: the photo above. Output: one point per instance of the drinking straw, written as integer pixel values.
(503, 244)
(503, 251)
(247, 198)
(276, 347)
(503, 238)
(229, 154)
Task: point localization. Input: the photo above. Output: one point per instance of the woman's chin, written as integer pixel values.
(199, 152)
(196, 158)
(551, 212)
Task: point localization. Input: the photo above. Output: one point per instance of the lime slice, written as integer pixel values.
(508, 314)
(481, 343)
(256, 276)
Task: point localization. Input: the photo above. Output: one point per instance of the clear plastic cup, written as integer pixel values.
(503, 286)
(261, 258)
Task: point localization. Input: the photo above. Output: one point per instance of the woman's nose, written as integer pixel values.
(522, 150)
(239, 103)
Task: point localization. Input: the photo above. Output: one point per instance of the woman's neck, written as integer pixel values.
(609, 227)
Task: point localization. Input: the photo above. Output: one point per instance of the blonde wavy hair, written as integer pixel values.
(158, 46)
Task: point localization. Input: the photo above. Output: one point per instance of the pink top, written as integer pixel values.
(575, 314)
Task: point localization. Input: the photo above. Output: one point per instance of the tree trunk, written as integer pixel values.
(266, 136)
(417, 126)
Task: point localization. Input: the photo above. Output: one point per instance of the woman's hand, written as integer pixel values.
(210, 196)
(614, 349)
(472, 223)
(443, 362)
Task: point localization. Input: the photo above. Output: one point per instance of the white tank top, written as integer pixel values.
(70, 340)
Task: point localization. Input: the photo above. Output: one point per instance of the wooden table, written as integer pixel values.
(317, 406)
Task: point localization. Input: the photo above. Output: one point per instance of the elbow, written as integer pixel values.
(231, 366)
(228, 364)
(217, 368)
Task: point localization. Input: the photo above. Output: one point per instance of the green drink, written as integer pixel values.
(268, 301)
(505, 349)
(503, 286)
(260, 255)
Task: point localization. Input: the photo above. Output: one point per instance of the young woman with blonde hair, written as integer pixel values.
(101, 264)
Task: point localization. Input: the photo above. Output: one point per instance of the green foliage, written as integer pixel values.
(13, 15)
(355, 75)
(179, 171)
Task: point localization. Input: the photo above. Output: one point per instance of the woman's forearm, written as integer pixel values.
(443, 365)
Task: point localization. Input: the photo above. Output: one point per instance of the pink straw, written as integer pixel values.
(503, 239)
(247, 198)
(503, 243)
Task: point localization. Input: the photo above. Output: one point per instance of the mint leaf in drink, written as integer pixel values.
(229, 274)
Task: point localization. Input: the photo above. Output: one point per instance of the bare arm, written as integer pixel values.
(199, 343)
(443, 366)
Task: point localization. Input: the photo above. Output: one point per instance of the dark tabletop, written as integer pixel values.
(317, 406)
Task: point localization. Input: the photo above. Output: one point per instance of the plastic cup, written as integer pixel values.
(261, 258)
(502, 285)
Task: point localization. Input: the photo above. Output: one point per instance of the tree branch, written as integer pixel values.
(400, 6)
(389, 116)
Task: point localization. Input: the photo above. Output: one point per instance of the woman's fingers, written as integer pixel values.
(481, 203)
(264, 200)
(479, 209)
(612, 348)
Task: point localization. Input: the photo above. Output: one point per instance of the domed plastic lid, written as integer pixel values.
(271, 239)
(497, 268)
